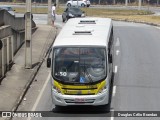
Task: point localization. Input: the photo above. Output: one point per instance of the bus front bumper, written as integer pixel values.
(93, 100)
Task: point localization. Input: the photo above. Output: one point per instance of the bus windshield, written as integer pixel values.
(79, 65)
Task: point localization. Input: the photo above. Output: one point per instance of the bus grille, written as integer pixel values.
(79, 101)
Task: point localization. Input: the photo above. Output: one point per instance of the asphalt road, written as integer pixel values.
(136, 82)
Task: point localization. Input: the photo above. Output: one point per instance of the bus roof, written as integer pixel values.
(84, 32)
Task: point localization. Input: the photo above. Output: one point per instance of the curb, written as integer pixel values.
(147, 23)
(31, 79)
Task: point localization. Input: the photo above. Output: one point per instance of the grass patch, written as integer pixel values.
(90, 11)
(116, 14)
(34, 10)
(137, 18)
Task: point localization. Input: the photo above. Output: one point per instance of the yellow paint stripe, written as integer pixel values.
(82, 89)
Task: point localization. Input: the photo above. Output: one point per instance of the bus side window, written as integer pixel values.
(110, 43)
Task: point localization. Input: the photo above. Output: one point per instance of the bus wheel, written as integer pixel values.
(57, 109)
(68, 5)
(106, 108)
(82, 5)
(63, 20)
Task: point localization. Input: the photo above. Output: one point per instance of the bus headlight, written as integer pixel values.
(103, 89)
(56, 89)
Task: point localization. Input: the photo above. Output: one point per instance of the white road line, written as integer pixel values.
(158, 27)
(112, 117)
(117, 42)
(114, 91)
(40, 95)
(117, 52)
(116, 69)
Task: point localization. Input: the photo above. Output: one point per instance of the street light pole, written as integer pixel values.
(28, 36)
(114, 2)
(57, 3)
(49, 11)
(126, 3)
(148, 5)
(140, 4)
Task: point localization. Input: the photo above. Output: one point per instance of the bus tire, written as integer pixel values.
(106, 108)
(69, 5)
(63, 20)
(82, 5)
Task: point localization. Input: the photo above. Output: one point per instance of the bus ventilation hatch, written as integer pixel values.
(82, 33)
(87, 22)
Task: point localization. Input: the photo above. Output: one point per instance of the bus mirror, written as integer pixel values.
(1, 44)
(110, 58)
(48, 62)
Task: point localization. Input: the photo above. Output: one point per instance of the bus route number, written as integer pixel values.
(63, 73)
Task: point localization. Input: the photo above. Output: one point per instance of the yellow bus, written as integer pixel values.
(81, 62)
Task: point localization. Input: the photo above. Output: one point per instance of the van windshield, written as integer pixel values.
(79, 65)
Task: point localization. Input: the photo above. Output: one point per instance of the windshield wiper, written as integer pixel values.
(70, 65)
(88, 75)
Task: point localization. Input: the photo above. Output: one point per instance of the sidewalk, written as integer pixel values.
(16, 82)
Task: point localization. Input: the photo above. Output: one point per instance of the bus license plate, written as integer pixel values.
(79, 100)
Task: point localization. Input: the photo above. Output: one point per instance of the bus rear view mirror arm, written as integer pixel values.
(110, 58)
(48, 62)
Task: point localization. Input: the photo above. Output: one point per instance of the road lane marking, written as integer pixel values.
(114, 90)
(112, 118)
(117, 42)
(116, 69)
(158, 27)
(41, 92)
(40, 95)
(112, 114)
(117, 52)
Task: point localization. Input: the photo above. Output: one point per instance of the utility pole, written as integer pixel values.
(126, 3)
(99, 2)
(157, 2)
(148, 5)
(114, 2)
(28, 36)
(57, 3)
(49, 11)
(140, 5)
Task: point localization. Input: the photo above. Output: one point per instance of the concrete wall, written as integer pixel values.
(12, 35)
(6, 55)
(5, 31)
(1, 19)
(17, 23)
(17, 28)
